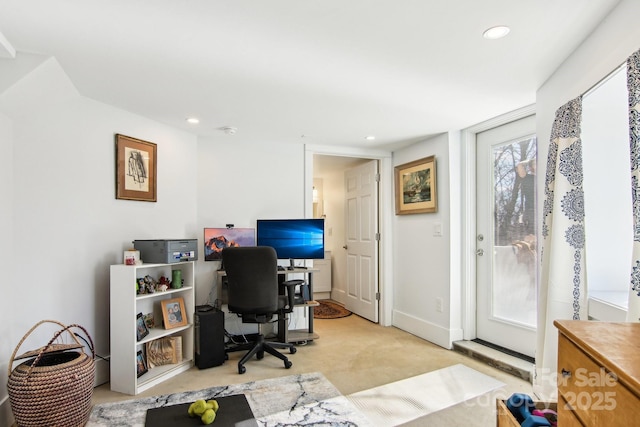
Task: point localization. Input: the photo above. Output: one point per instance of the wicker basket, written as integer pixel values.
(55, 386)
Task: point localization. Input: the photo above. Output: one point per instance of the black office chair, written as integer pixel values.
(255, 295)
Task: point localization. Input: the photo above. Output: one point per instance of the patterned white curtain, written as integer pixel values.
(633, 86)
(563, 290)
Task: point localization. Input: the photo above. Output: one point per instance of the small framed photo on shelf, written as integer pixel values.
(141, 364)
(173, 313)
(141, 327)
(148, 320)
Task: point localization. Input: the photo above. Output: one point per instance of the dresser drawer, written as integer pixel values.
(506, 419)
(592, 393)
(566, 417)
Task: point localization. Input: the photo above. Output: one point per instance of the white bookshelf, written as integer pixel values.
(126, 304)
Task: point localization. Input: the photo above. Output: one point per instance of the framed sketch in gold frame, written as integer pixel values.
(416, 189)
(136, 169)
(173, 313)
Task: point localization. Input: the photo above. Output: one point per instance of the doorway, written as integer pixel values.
(506, 249)
(361, 239)
(326, 172)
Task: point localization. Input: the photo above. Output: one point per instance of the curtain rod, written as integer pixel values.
(605, 79)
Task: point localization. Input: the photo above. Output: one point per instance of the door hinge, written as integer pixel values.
(378, 237)
(377, 177)
(377, 296)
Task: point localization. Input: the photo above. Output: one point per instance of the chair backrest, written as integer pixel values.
(252, 274)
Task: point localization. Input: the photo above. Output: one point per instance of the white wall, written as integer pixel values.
(238, 184)
(421, 260)
(8, 337)
(66, 225)
(62, 226)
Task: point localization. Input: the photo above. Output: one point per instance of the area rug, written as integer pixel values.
(304, 399)
(329, 310)
(406, 400)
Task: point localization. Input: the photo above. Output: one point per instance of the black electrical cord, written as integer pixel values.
(89, 346)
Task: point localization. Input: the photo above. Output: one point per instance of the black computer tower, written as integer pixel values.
(209, 337)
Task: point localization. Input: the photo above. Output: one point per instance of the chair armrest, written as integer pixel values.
(290, 286)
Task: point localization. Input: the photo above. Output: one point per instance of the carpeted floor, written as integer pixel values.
(329, 310)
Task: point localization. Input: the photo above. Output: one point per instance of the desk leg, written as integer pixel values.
(310, 296)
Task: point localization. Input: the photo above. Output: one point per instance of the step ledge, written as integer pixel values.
(495, 358)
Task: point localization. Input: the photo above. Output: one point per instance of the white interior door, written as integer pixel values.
(361, 230)
(506, 249)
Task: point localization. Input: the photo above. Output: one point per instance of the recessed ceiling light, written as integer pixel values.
(496, 32)
(193, 120)
(370, 138)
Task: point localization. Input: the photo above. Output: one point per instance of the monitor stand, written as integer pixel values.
(292, 265)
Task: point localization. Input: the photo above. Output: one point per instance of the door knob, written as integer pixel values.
(344, 247)
(480, 252)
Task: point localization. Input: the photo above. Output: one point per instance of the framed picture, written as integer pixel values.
(416, 189)
(148, 320)
(173, 313)
(136, 169)
(141, 364)
(141, 327)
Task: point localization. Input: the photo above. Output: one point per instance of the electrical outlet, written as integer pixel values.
(439, 305)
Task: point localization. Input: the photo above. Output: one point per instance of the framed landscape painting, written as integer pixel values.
(416, 190)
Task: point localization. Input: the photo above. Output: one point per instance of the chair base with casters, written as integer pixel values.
(258, 347)
(256, 294)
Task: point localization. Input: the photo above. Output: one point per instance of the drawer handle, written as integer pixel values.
(565, 373)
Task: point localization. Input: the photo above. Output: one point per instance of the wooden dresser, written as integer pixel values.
(598, 373)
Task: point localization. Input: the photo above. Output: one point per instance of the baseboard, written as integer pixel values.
(321, 295)
(431, 332)
(102, 372)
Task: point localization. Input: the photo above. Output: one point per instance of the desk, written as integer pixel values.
(284, 334)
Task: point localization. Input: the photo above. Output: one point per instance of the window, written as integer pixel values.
(607, 190)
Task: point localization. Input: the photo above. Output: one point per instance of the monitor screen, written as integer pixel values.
(292, 238)
(216, 239)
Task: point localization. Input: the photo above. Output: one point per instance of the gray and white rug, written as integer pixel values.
(305, 399)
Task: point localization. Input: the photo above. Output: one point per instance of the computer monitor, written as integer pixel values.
(292, 238)
(216, 239)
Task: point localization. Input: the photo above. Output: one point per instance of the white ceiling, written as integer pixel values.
(302, 71)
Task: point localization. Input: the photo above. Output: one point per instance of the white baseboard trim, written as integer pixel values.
(431, 332)
(102, 372)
